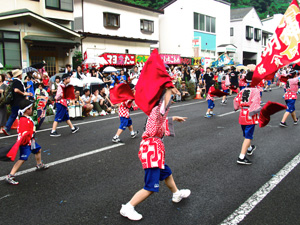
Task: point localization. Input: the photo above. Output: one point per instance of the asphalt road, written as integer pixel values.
(90, 189)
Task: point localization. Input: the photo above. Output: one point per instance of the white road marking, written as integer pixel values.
(5, 196)
(69, 159)
(225, 114)
(238, 215)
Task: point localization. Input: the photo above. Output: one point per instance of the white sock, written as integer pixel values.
(52, 131)
(242, 156)
(116, 136)
(211, 112)
(177, 192)
(132, 132)
(250, 148)
(129, 205)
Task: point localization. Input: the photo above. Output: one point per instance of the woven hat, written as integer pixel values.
(17, 73)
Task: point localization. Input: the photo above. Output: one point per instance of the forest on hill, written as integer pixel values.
(263, 7)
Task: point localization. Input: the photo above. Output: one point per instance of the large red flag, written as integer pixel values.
(283, 48)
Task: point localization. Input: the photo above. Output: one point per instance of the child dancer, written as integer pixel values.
(26, 133)
(248, 100)
(125, 121)
(62, 107)
(290, 98)
(152, 156)
(210, 101)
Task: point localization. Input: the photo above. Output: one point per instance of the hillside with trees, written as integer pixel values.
(263, 7)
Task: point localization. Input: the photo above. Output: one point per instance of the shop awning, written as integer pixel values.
(37, 38)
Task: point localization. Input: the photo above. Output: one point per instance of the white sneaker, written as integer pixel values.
(183, 193)
(130, 213)
(102, 113)
(112, 111)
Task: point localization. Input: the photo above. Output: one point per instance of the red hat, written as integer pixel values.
(269, 109)
(120, 93)
(153, 80)
(218, 93)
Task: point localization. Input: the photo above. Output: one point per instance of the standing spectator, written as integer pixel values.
(69, 70)
(19, 94)
(234, 79)
(122, 77)
(3, 110)
(207, 78)
(198, 73)
(87, 100)
(30, 85)
(9, 78)
(220, 75)
(186, 74)
(134, 77)
(85, 73)
(54, 86)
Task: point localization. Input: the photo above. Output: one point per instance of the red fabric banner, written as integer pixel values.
(269, 109)
(283, 48)
(121, 93)
(153, 80)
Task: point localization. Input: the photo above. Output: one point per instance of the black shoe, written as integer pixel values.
(116, 140)
(296, 122)
(253, 147)
(283, 124)
(135, 134)
(244, 161)
(75, 130)
(54, 134)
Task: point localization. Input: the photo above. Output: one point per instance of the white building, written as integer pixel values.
(245, 33)
(33, 31)
(194, 28)
(269, 26)
(110, 26)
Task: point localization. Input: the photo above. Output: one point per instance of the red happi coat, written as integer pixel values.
(152, 149)
(242, 82)
(248, 100)
(291, 89)
(209, 95)
(124, 108)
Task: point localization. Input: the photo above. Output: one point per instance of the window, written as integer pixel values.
(257, 34)
(231, 31)
(147, 26)
(249, 32)
(64, 5)
(10, 52)
(111, 20)
(204, 23)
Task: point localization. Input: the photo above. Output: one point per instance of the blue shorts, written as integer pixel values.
(226, 91)
(154, 175)
(25, 151)
(268, 82)
(125, 122)
(211, 104)
(248, 131)
(290, 103)
(61, 113)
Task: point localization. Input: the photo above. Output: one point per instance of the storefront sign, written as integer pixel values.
(186, 61)
(171, 59)
(199, 61)
(119, 59)
(141, 58)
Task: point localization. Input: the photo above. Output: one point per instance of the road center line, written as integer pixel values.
(69, 159)
(238, 215)
(225, 114)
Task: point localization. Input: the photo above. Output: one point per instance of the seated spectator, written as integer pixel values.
(98, 103)
(107, 105)
(87, 100)
(40, 91)
(54, 86)
(85, 73)
(184, 91)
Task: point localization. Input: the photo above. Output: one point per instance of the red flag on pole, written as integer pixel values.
(283, 48)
